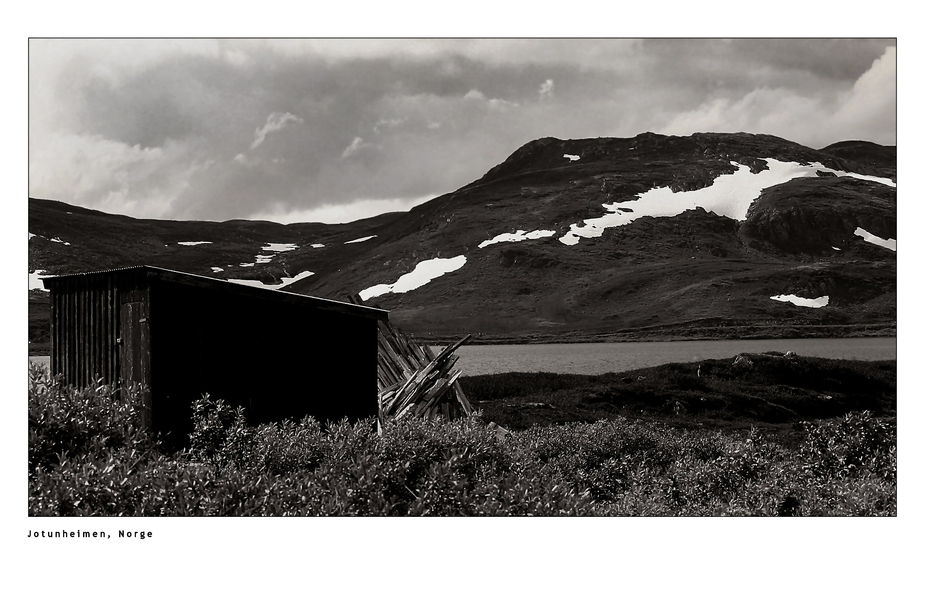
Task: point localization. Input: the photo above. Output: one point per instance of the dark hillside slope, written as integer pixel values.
(691, 273)
(696, 274)
(96, 240)
(866, 153)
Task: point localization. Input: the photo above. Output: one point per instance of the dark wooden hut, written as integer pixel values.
(279, 355)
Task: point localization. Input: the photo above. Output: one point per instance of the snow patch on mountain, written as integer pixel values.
(35, 280)
(217, 269)
(882, 180)
(194, 243)
(317, 245)
(423, 273)
(874, 239)
(54, 240)
(279, 247)
(729, 195)
(572, 157)
(254, 283)
(285, 281)
(360, 240)
(274, 248)
(805, 302)
(520, 235)
(291, 280)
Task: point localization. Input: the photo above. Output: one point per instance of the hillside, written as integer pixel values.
(773, 392)
(652, 237)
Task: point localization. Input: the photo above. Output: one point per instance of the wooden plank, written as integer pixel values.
(428, 380)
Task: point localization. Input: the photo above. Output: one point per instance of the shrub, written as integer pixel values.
(88, 456)
(67, 422)
(850, 446)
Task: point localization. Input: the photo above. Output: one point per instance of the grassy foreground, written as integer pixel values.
(88, 456)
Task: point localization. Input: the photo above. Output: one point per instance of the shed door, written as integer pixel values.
(135, 355)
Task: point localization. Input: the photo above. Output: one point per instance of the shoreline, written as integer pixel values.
(654, 335)
(475, 341)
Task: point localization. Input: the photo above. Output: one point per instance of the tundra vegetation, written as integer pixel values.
(88, 456)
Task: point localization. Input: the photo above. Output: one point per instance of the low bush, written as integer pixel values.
(66, 422)
(774, 391)
(89, 456)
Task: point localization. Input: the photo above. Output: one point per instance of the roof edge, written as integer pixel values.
(209, 282)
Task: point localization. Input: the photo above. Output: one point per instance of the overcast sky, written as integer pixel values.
(335, 130)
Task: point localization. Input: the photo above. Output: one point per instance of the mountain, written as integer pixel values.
(868, 153)
(651, 237)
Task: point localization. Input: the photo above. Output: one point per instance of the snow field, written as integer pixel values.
(729, 195)
(423, 273)
(275, 248)
(520, 235)
(279, 247)
(874, 239)
(54, 240)
(572, 157)
(883, 180)
(285, 281)
(194, 243)
(291, 280)
(805, 302)
(35, 280)
(360, 240)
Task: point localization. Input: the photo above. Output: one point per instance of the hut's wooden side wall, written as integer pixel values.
(277, 355)
(86, 324)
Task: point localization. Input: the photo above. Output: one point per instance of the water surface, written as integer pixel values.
(598, 358)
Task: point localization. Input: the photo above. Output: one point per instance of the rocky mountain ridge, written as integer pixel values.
(569, 240)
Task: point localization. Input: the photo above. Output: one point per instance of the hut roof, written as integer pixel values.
(224, 286)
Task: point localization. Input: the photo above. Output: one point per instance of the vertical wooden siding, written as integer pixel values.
(277, 357)
(85, 325)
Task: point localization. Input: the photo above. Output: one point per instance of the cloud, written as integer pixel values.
(546, 89)
(588, 53)
(763, 110)
(867, 110)
(110, 175)
(275, 122)
(154, 127)
(475, 95)
(388, 124)
(339, 213)
(355, 146)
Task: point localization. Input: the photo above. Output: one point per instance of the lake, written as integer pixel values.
(598, 358)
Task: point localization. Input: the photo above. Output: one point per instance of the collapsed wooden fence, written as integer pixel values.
(416, 382)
